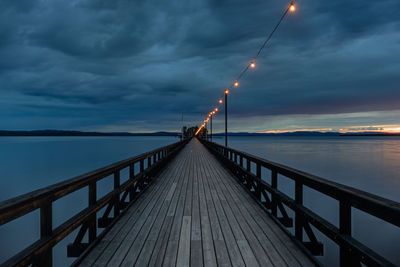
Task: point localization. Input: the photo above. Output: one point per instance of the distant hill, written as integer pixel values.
(310, 133)
(79, 133)
(298, 133)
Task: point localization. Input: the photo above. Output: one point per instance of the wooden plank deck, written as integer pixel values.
(196, 214)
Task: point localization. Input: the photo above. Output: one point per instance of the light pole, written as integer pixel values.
(205, 128)
(226, 117)
(211, 127)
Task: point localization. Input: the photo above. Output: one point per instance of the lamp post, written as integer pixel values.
(226, 117)
(205, 128)
(211, 127)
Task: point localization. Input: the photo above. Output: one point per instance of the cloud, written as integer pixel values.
(121, 62)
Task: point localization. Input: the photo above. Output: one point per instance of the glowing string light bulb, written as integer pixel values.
(252, 65)
(216, 109)
(292, 7)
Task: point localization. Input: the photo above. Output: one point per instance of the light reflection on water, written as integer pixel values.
(371, 164)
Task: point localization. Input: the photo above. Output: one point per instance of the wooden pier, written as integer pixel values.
(197, 203)
(196, 214)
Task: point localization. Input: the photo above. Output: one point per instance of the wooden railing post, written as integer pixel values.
(46, 229)
(141, 166)
(274, 185)
(149, 162)
(116, 187)
(141, 172)
(258, 174)
(92, 220)
(131, 176)
(241, 160)
(346, 258)
(298, 217)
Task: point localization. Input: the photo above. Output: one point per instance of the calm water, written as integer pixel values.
(368, 163)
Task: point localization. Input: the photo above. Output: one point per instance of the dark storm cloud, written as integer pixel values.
(121, 62)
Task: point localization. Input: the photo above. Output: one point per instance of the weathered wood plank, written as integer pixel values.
(206, 234)
(283, 244)
(120, 245)
(227, 216)
(221, 250)
(173, 239)
(234, 251)
(160, 233)
(196, 214)
(196, 251)
(162, 241)
(153, 223)
(129, 218)
(184, 243)
(263, 249)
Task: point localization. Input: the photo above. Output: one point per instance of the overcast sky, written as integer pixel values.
(127, 65)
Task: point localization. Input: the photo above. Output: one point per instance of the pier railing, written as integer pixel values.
(352, 252)
(116, 201)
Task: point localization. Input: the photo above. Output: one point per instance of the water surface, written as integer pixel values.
(367, 163)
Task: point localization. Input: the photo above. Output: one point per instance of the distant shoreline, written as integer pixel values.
(79, 133)
(5, 133)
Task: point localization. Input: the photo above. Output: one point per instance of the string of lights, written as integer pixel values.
(250, 65)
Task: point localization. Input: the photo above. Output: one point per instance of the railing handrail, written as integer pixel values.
(352, 252)
(25, 203)
(40, 252)
(380, 207)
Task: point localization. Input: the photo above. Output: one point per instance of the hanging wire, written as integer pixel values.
(291, 7)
